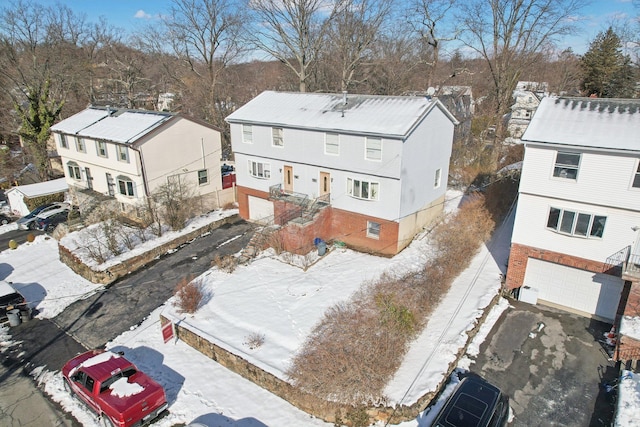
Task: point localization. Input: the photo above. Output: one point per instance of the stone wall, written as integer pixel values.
(125, 267)
(310, 404)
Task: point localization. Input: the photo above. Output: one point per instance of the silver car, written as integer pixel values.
(27, 221)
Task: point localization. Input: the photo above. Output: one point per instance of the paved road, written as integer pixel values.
(551, 364)
(92, 322)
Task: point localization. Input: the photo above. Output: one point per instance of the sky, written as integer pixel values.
(200, 390)
(134, 14)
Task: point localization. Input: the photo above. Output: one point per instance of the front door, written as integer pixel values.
(325, 183)
(89, 178)
(288, 179)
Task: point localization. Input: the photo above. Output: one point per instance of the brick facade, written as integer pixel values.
(520, 254)
(330, 224)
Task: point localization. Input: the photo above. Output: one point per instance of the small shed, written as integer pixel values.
(16, 195)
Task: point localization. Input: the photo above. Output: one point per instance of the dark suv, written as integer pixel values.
(474, 403)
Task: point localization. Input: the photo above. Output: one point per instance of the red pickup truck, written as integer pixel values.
(113, 387)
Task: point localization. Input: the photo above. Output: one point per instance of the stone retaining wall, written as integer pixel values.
(127, 266)
(310, 404)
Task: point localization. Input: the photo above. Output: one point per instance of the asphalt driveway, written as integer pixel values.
(552, 364)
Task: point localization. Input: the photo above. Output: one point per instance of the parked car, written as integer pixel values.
(10, 299)
(5, 219)
(474, 403)
(26, 221)
(50, 220)
(114, 388)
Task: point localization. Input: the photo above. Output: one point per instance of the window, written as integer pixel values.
(576, 223)
(80, 145)
(74, 171)
(123, 154)
(203, 177)
(125, 186)
(636, 178)
(63, 141)
(247, 134)
(373, 230)
(331, 143)
(567, 165)
(259, 170)
(437, 179)
(101, 148)
(278, 139)
(362, 189)
(373, 149)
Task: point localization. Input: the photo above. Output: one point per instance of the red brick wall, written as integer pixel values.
(299, 239)
(520, 253)
(351, 228)
(243, 199)
(632, 307)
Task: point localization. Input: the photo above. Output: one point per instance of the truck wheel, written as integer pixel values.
(105, 421)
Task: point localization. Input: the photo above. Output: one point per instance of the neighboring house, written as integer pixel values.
(370, 171)
(527, 97)
(17, 196)
(127, 154)
(576, 238)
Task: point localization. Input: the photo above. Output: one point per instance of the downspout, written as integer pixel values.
(143, 170)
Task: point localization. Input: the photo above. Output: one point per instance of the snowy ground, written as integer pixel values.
(283, 303)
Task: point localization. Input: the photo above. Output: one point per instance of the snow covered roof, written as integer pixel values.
(587, 122)
(42, 188)
(113, 125)
(394, 116)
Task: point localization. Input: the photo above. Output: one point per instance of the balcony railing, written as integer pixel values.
(304, 208)
(625, 264)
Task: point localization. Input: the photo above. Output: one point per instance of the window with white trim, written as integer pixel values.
(247, 134)
(125, 186)
(373, 148)
(360, 189)
(80, 146)
(63, 141)
(123, 153)
(636, 178)
(567, 165)
(331, 143)
(74, 171)
(278, 137)
(437, 179)
(574, 223)
(101, 148)
(373, 229)
(259, 170)
(203, 177)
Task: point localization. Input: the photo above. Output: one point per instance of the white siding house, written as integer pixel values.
(579, 204)
(127, 154)
(379, 163)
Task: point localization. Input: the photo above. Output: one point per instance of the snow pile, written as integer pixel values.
(628, 412)
(630, 327)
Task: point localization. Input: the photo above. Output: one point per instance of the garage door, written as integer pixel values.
(260, 209)
(578, 290)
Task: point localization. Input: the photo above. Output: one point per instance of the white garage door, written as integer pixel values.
(260, 209)
(579, 290)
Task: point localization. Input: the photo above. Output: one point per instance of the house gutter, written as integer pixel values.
(143, 170)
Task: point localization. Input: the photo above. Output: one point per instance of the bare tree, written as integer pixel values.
(351, 33)
(292, 31)
(510, 35)
(205, 36)
(430, 20)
